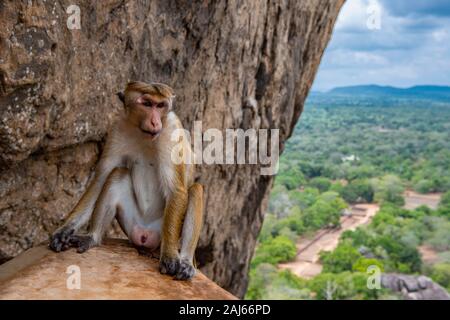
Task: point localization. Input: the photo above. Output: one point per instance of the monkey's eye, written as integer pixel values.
(147, 103)
(162, 105)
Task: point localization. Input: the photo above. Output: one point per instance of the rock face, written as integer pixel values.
(233, 64)
(414, 287)
(112, 271)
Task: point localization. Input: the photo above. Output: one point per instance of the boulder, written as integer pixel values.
(414, 287)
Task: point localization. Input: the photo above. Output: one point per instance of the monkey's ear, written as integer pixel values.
(121, 96)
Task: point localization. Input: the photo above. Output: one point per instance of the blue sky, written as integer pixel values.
(411, 46)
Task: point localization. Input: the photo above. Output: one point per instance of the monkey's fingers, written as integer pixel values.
(185, 271)
(168, 265)
(60, 240)
(82, 242)
(56, 245)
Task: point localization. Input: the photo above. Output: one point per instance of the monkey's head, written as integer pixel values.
(147, 106)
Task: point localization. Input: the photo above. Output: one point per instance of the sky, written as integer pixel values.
(400, 43)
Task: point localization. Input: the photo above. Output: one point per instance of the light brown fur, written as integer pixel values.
(137, 182)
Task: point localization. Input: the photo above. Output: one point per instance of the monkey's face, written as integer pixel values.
(148, 113)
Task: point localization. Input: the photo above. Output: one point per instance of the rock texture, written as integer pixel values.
(113, 271)
(233, 64)
(414, 287)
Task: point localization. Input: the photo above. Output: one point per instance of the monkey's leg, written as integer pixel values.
(174, 214)
(116, 196)
(191, 232)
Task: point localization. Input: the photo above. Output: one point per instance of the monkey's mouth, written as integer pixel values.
(152, 134)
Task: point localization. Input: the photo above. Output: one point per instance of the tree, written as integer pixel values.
(424, 186)
(268, 228)
(445, 200)
(287, 286)
(345, 285)
(260, 277)
(388, 189)
(340, 259)
(305, 198)
(439, 239)
(321, 214)
(292, 178)
(279, 201)
(276, 250)
(337, 187)
(401, 257)
(441, 274)
(325, 212)
(361, 172)
(320, 183)
(358, 191)
(363, 264)
(293, 222)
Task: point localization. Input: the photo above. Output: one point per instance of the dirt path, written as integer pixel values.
(429, 255)
(414, 200)
(306, 264)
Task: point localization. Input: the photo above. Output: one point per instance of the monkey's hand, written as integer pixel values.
(168, 265)
(60, 240)
(181, 269)
(185, 270)
(82, 242)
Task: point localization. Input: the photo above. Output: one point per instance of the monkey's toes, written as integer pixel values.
(169, 266)
(82, 242)
(60, 240)
(185, 271)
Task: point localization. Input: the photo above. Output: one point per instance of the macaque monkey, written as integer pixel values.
(154, 199)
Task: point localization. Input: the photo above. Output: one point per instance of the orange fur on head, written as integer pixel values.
(157, 90)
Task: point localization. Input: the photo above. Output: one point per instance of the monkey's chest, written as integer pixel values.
(147, 190)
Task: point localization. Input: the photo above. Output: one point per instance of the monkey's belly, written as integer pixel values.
(146, 228)
(149, 197)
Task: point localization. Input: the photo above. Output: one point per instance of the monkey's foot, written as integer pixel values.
(82, 242)
(61, 239)
(185, 271)
(169, 265)
(181, 269)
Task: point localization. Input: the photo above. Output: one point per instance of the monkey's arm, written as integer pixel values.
(82, 212)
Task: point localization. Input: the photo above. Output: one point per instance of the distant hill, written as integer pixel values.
(421, 92)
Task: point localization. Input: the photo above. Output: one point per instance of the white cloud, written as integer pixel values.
(353, 16)
(441, 35)
(409, 49)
